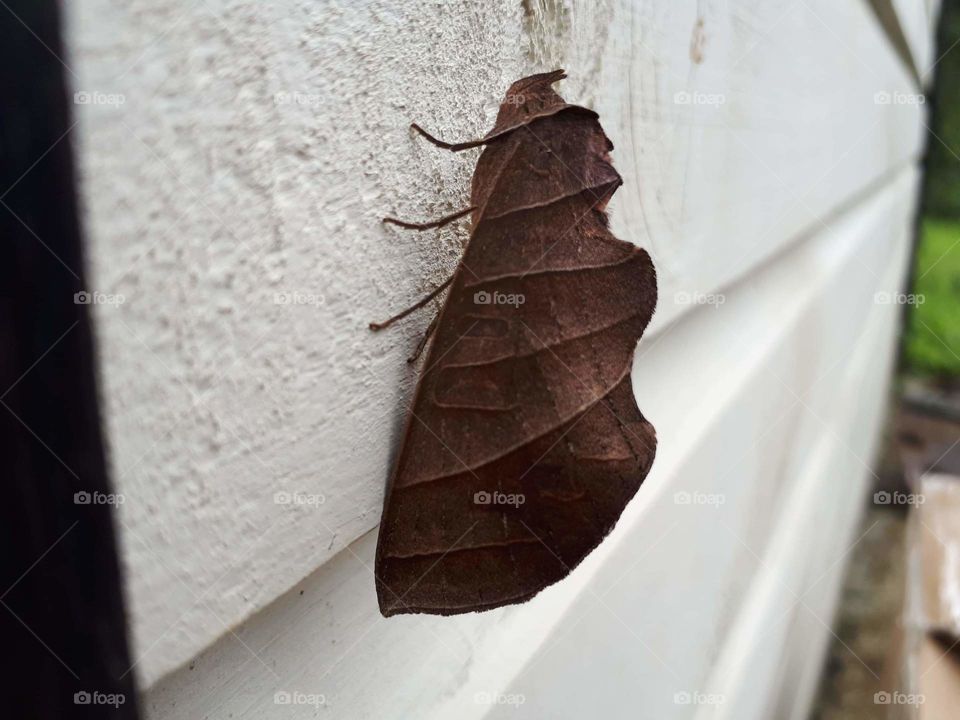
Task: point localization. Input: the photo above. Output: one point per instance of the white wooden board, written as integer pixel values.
(767, 417)
(257, 146)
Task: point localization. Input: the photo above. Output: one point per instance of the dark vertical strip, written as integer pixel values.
(890, 22)
(942, 182)
(939, 98)
(61, 610)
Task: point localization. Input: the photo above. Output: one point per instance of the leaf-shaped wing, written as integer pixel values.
(524, 442)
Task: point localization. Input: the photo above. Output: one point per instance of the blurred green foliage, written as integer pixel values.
(933, 333)
(932, 339)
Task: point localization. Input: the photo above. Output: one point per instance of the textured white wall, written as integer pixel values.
(770, 403)
(205, 198)
(256, 149)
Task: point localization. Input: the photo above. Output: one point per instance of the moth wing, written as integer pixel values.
(524, 442)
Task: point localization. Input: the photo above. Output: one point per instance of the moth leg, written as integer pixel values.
(455, 147)
(433, 223)
(399, 316)
(428, 333)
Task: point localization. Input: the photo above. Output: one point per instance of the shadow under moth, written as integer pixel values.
(524, 442)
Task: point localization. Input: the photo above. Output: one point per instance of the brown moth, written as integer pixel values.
(524, 443)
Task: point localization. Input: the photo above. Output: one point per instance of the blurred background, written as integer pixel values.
(922, 431)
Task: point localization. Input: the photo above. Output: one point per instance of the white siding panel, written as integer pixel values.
(915, 20)
(681, 598)
(744, 130)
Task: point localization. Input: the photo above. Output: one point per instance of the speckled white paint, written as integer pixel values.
(680, 597)
(206, 197)
(257, 148)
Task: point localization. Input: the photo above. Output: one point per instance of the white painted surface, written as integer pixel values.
(916, 19)
(773, 412)
(790, 194)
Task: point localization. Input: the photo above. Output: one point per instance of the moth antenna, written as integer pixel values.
(433, 223)
(455, 147)
(399, 316)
